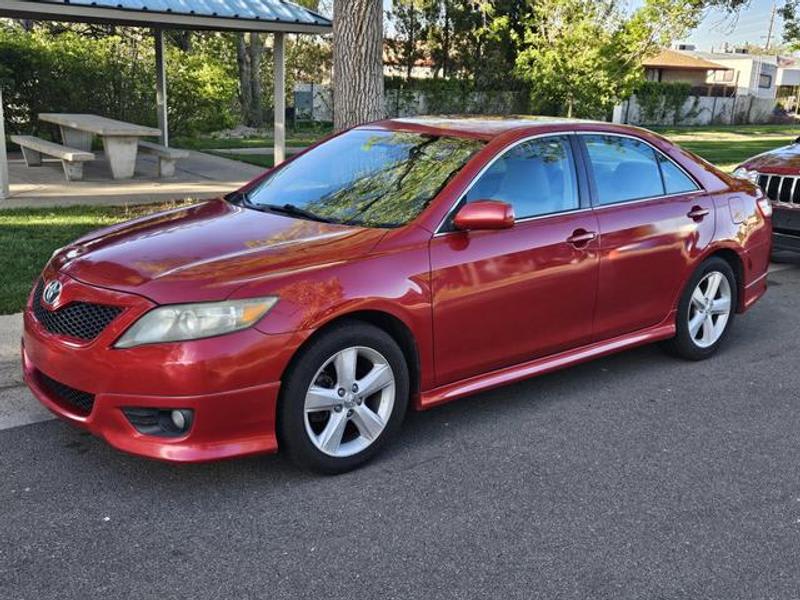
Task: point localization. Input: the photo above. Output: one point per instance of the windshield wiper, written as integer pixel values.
(293, 211)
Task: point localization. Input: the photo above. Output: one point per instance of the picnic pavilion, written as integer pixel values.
(277, 17)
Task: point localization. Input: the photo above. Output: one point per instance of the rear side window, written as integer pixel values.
(675, 180)
(536, 177)
(623, 168)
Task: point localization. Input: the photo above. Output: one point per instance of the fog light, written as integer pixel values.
(161, 422)
(178, 419)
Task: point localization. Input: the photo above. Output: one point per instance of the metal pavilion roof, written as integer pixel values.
(246, 15)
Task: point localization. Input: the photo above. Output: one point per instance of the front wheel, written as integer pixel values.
(343, 397)
(705, 311)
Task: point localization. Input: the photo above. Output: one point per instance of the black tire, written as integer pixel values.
(291, 425)
(683, 344)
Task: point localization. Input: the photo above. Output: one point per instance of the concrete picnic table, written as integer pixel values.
(120, 139)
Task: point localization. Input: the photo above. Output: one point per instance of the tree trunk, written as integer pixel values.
(245, 89)
(411, 43)
(248, 58)
(357, 62)
(256, 100)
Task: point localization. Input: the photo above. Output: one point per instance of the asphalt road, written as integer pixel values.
(636, 476)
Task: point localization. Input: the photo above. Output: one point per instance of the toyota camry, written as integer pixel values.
(399, 264)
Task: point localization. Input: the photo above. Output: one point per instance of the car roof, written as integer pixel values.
(483, 127)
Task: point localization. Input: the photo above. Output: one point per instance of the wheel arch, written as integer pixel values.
(736, 263)
(395, 327)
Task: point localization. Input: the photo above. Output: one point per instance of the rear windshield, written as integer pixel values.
(366, 177)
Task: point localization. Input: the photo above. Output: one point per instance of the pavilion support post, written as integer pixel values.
(279, 70)
(4, 188)
(161, 87)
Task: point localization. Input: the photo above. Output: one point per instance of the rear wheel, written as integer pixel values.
(343, 398)
(705, 311)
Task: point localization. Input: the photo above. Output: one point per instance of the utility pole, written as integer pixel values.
(771, 25)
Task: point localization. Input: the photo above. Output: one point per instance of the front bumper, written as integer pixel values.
(231, 383)
(786, 229)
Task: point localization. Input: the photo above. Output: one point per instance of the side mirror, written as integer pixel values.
(484, 214)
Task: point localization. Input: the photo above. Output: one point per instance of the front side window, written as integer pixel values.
(623, 168)
(365, 177)
(536, 177)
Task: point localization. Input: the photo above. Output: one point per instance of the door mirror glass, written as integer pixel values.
(484, 214)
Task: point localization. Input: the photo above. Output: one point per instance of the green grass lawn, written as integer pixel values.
(299, 136)
(28, 237)
(262, 160)
(727, 146)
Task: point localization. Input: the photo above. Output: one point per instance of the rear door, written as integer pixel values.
(506, 296)
(654, 220)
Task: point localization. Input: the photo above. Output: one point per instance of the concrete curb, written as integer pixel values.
(17, 404)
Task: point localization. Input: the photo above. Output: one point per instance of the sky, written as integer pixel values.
(750, 26)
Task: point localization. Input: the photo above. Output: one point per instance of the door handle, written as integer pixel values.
(581, 237)
(697, 213)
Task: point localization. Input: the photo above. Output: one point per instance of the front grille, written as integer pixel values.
(82, 320)
(780, 188)
(81, 402)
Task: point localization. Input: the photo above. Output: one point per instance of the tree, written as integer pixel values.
(580, 57)
(357, 62)
(410, 24)
(790, 12)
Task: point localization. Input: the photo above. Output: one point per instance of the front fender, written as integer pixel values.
(394, 283)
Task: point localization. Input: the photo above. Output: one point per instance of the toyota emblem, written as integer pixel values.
(52, 291)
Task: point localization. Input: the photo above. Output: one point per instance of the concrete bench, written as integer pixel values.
(72, 159)
(167, 157)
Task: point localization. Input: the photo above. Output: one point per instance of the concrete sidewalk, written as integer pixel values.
(17, 404)
(199, 176)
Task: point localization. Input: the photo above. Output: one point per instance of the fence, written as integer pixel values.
(315, 102)
(700, 110)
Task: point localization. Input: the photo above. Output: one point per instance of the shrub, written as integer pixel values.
(110, 75)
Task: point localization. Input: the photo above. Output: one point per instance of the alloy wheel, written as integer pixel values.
(710, 309)
(349, 402)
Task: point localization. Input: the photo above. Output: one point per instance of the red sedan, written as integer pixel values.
(410, 261)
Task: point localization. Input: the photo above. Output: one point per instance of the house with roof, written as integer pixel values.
(676, 66)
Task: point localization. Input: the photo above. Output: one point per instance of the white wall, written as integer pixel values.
(703, 110)
(788, 76)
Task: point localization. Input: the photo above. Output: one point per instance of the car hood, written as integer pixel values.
(206, 251)
(784, 161)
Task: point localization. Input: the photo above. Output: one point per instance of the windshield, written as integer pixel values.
(365, 177)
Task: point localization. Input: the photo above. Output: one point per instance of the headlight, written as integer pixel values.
(748, 174)
(179, 322)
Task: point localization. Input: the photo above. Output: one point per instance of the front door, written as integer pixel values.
(503, 297)
(654, 221)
